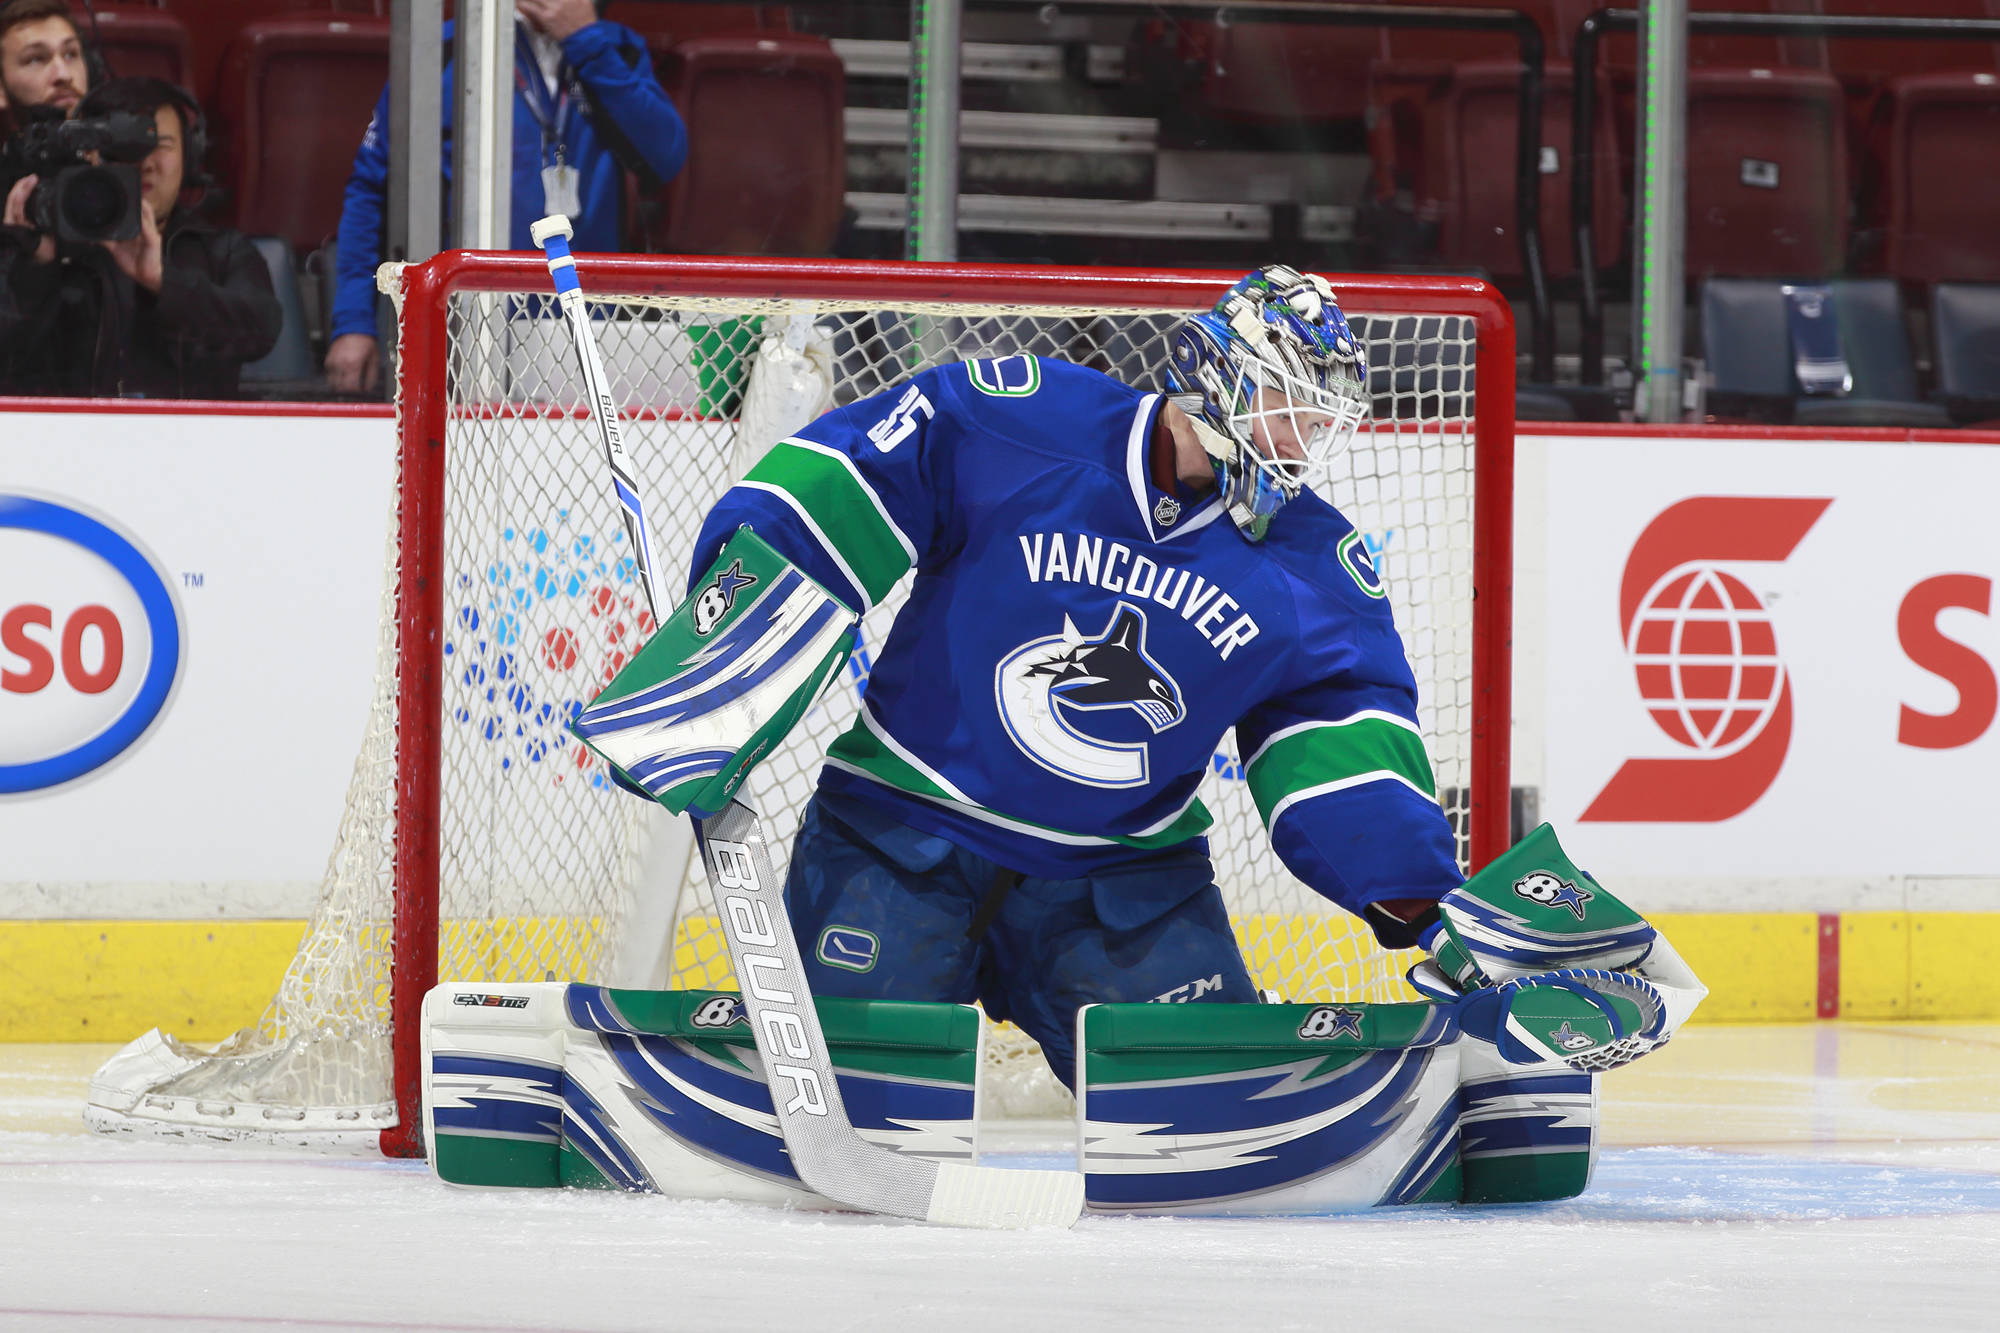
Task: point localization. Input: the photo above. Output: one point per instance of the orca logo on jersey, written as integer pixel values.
(714, 602)
(1043, 682)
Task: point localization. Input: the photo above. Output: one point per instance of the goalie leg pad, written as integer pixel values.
(719, 683)
(550, 1084)
(1275, 1109)
(1267, 1110)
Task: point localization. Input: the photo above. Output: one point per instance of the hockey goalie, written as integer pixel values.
(1108, 579)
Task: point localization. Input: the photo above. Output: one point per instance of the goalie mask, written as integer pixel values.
(1279, 380)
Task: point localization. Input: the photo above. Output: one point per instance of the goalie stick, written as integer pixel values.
(826, 1151)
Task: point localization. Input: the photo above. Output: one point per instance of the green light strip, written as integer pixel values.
(916, 213)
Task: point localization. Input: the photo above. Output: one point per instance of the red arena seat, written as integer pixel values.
(1766, 172)
(665, 24)
(746, 190)
(139, 41)
(297, 94)
(1463, 179)
(213, 25)
(1278, 73)
(1935, 151)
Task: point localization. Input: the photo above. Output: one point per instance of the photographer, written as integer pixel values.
(156, 303)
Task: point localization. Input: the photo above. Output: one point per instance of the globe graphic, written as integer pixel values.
(1706, 658)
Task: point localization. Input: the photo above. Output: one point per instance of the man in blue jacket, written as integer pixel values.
(586, 105)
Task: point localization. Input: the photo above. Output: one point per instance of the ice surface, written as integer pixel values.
(1785, 1177)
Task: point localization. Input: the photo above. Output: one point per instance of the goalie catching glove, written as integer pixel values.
(1548, 965)
(722, 680)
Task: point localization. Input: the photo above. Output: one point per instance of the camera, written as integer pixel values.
(77, 198)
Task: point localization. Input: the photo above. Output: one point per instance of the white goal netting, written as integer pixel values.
(543, 869)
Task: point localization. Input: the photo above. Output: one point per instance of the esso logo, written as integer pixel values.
(90, 644)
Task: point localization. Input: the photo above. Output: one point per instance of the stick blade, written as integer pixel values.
(997, 1198)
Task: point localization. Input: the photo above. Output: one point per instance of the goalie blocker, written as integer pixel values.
(721, 681)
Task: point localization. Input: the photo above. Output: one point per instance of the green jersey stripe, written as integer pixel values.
(841, 509)
(1330, 756)
(865, 751)
(874, 498)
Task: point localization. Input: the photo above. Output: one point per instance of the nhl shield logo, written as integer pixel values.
(1167, 512)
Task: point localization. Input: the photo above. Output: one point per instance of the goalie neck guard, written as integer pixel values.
(1280, 381)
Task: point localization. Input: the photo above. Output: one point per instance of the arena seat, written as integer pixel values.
(665, 24)
(1455, 151)
(213, 25)
(1746, 343)
(1260, 73)
(1931, 178)
(1865, 64)
(297, 94)
(289, 363)
(1965, 333)
(1766, 172)
(745, 189)
(139, 41)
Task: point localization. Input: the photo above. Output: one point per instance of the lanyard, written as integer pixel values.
(553, 118)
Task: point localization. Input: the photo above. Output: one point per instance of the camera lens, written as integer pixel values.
(93, 202)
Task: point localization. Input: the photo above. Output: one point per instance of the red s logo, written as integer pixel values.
(1707, 659)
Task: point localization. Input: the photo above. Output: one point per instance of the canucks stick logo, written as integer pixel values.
(712, 603)
(1046, 686)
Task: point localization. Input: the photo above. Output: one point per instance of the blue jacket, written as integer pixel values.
(612, 63)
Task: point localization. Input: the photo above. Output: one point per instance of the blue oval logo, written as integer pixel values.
(90, 644)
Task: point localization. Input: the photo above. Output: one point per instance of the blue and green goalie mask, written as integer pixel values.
(1278, 377)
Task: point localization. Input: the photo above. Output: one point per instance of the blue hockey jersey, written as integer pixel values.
(1077, 641)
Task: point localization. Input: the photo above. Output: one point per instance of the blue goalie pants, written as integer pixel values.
(885, 911)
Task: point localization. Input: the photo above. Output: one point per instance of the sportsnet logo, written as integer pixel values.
(1705, 653)
(490, 1001)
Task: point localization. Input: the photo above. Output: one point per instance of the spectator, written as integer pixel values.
(173, 312)
(586, 102)
(41, 56)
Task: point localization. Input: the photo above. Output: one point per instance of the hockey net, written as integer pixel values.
(481, 842)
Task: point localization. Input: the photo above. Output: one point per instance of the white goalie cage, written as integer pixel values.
(481, 841)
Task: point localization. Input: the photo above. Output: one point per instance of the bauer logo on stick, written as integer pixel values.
(715, 601)
(1552, 890)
